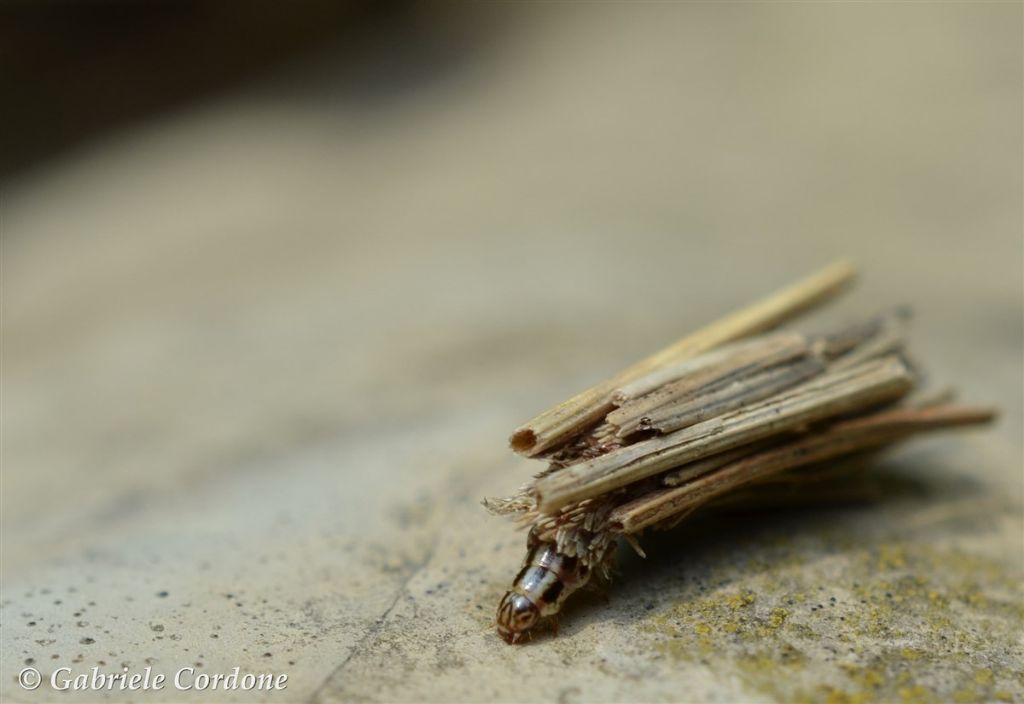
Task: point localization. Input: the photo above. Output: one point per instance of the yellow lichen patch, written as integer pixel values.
(738, 601)
(873, 678)
(907, 623)
(939, 623)
(891, 557)
(838, 696)
(766, 662)
(775, 620)
(976, 598)
(914, 695)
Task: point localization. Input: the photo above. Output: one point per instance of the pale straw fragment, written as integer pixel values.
(764, 350)
(844, 438)
(694, 409)
(581, 411)
(825, 396)
(704, 373)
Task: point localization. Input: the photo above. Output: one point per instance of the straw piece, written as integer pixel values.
(691, 470)
(888, 337)
(843, 438)
(568, 418)
(703, 374)
(826, 396)
(720, 363)
(757, 387)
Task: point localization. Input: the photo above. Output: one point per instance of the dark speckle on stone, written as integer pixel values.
(87, 641)
(29, 661)
(267, 655)
(163, 595)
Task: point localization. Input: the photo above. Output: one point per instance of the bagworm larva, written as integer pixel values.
(721, 410)
(546, 580)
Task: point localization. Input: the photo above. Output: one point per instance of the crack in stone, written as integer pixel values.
(378, 624)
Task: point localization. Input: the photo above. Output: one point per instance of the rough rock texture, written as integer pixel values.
(261, 357)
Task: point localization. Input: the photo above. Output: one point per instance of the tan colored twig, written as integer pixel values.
(826, 396)
(844, 438)
(581, 411)
(720, 364)
(717, 402)
(701, 375)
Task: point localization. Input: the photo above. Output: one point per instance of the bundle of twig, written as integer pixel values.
(729, 406)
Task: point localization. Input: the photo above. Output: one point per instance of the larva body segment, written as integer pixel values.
(546, 580)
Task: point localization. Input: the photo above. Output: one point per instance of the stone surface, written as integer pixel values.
(261, 358)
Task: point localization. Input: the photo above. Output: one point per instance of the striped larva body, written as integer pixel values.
(547, 579)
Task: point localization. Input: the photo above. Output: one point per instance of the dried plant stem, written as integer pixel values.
(719, 365)
(755, 388)
(843, 438)
(826, 396)
(705, 373)
(561, 422)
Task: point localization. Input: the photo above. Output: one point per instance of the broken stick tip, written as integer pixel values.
(561, 422)
(523, 440)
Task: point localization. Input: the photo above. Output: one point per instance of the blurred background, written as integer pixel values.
(280, 278)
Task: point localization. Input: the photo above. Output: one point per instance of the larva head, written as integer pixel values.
(516, 615)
